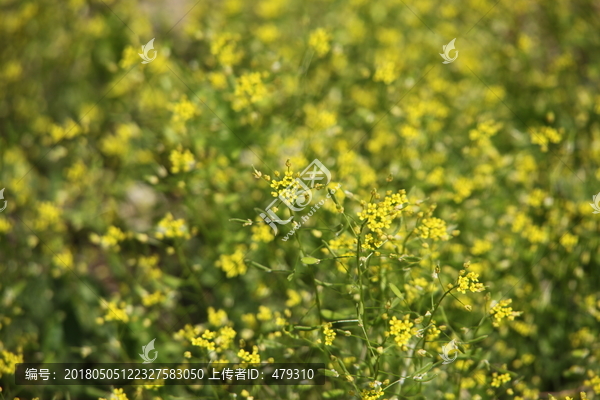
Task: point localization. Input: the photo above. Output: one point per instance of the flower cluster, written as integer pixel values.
(469, 282)
(233, 265)
(117, 394)
(249, 89)
(375, 392)
(115, 312)
(502, 310)
(8, 362)
(545, 135)
(329, 334)
(181, 160)
(169, 227)
(251, 358)
(433, 228)
(319, 40)
(401, 330)
(498, 380)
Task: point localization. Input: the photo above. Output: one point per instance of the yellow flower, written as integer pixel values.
(329, 334)
(48, 215)
(264, 313)
(115, 312)
(223, 47)
(569, 241)
(469, 282)
(233, 265)
(545, 135)
(181, 160)
(218, 80)
(481, 246)
(433, 228)
(249, 89)
(130, 56)
(111, 240)
(401, 330)
(183, 110)
(117, 395)
(294, 298)
(217, 318)
(245, 356)
(169, 227)
(154, 298)
(380, 215)
(594, 382)
(319, 41)
(262, 233)
(318, 118)
(498, 380)
(502, 310)
(267, 33)
(386, 72)
(8, 362)
(374, 393)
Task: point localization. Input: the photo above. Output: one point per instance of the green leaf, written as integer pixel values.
(310, 260)
(396, 291)
(333, 393)
(478, 339)
(336, 315)
(290, 277)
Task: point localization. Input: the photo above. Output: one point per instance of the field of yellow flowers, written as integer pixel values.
(303, 181)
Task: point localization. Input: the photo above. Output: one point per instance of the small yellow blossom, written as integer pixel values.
(319, 41)
(245, 356)
(154, 298)
(115, 312)
(169, 227)
(183, 110)
(294, 298)
(433, 228)
(264, 313)
(217, 318)
(545, 135)
(401, 330)
(117, 394)
(502, 310)
(233, 265)
(249, 89)
(181, 160)
(8, 362)
(374, 393)
(469, 282)
(329, 334)
(498, 380)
